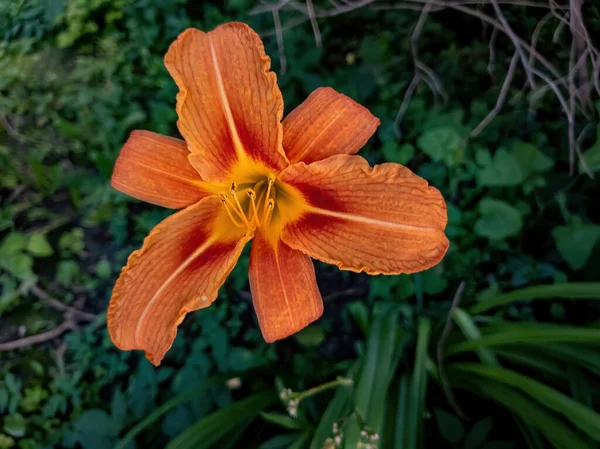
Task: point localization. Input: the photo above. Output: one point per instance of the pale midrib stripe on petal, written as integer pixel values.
(165, 284)
(239, 149)
(370, 221)
(285, 296)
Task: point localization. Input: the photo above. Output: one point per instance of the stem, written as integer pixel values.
(340, 381)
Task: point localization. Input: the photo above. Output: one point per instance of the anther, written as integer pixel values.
(252, 196)
(268, 213)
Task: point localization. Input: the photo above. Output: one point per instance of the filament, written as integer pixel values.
(239, 225)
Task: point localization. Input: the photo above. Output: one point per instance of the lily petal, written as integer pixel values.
(284, 289)
(325, 124)
(154, 168)
(229, 104)
(180, 268)
(381, 220)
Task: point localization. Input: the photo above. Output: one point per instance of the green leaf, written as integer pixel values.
(498, 220)
(282, 420)
(340, 404)
(208, 430)
(561, 436)
(434, 281)
(372, 387)
(442, 144)
(12, 244)
(311, 335)
(576, 242)
(471, 331)
(523, 333)
(280, 441)
(103, 269)
(580, 416)
(157, 413)
(39, 246)
(403, 417)
(177, 421)
(118, 408)
(15, 425)
(67, 271)
(504, 171)
(478, 433)
(530, 158)
(400, 154)
(418, 389)
(592, 155)
(96, 422)
(449, 425)
(19, 265)
(570, 290)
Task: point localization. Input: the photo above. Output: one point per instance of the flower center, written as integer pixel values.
(248, 207)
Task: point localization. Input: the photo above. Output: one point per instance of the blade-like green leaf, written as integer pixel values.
(376, 373)
(533, 359)
(572, 290)
(163, 409)
(581, 416)
(470, 330)
(208, 430)
(528, 334)
(552, 428)
(341, 403)
(282, 420)
(418, 387)
(402, 413)
(587, 358)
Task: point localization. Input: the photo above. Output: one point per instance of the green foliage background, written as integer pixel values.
(520, 369)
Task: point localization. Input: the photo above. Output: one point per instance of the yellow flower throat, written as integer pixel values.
(255, 210)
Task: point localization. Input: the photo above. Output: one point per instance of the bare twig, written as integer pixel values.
(404, 106)
(440, 351)
(313, 22)
(280, 45)
(501, 97)
(492, 59)
(447, 4)
(515, 40)
(32, 340)
(12, 132)
(435, 83)
(58, 305)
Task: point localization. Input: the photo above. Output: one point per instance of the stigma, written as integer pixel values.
(255, 207)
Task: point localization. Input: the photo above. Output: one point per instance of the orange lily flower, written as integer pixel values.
(295, 187)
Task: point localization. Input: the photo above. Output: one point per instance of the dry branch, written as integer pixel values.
(32, 340)
(571, 88)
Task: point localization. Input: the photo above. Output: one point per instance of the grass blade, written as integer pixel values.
(528, 334)
(470, 330)
(163, 409)
(581, 416)
(572, 290)
(341, 403)
(210, 429)
(418, 387)
(372, 388)
(552, 428)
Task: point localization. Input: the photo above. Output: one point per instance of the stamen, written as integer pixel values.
(267, 200)
(240, 208)
(252, 196)
(237, 209)
(239, 225)
(266, 219)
